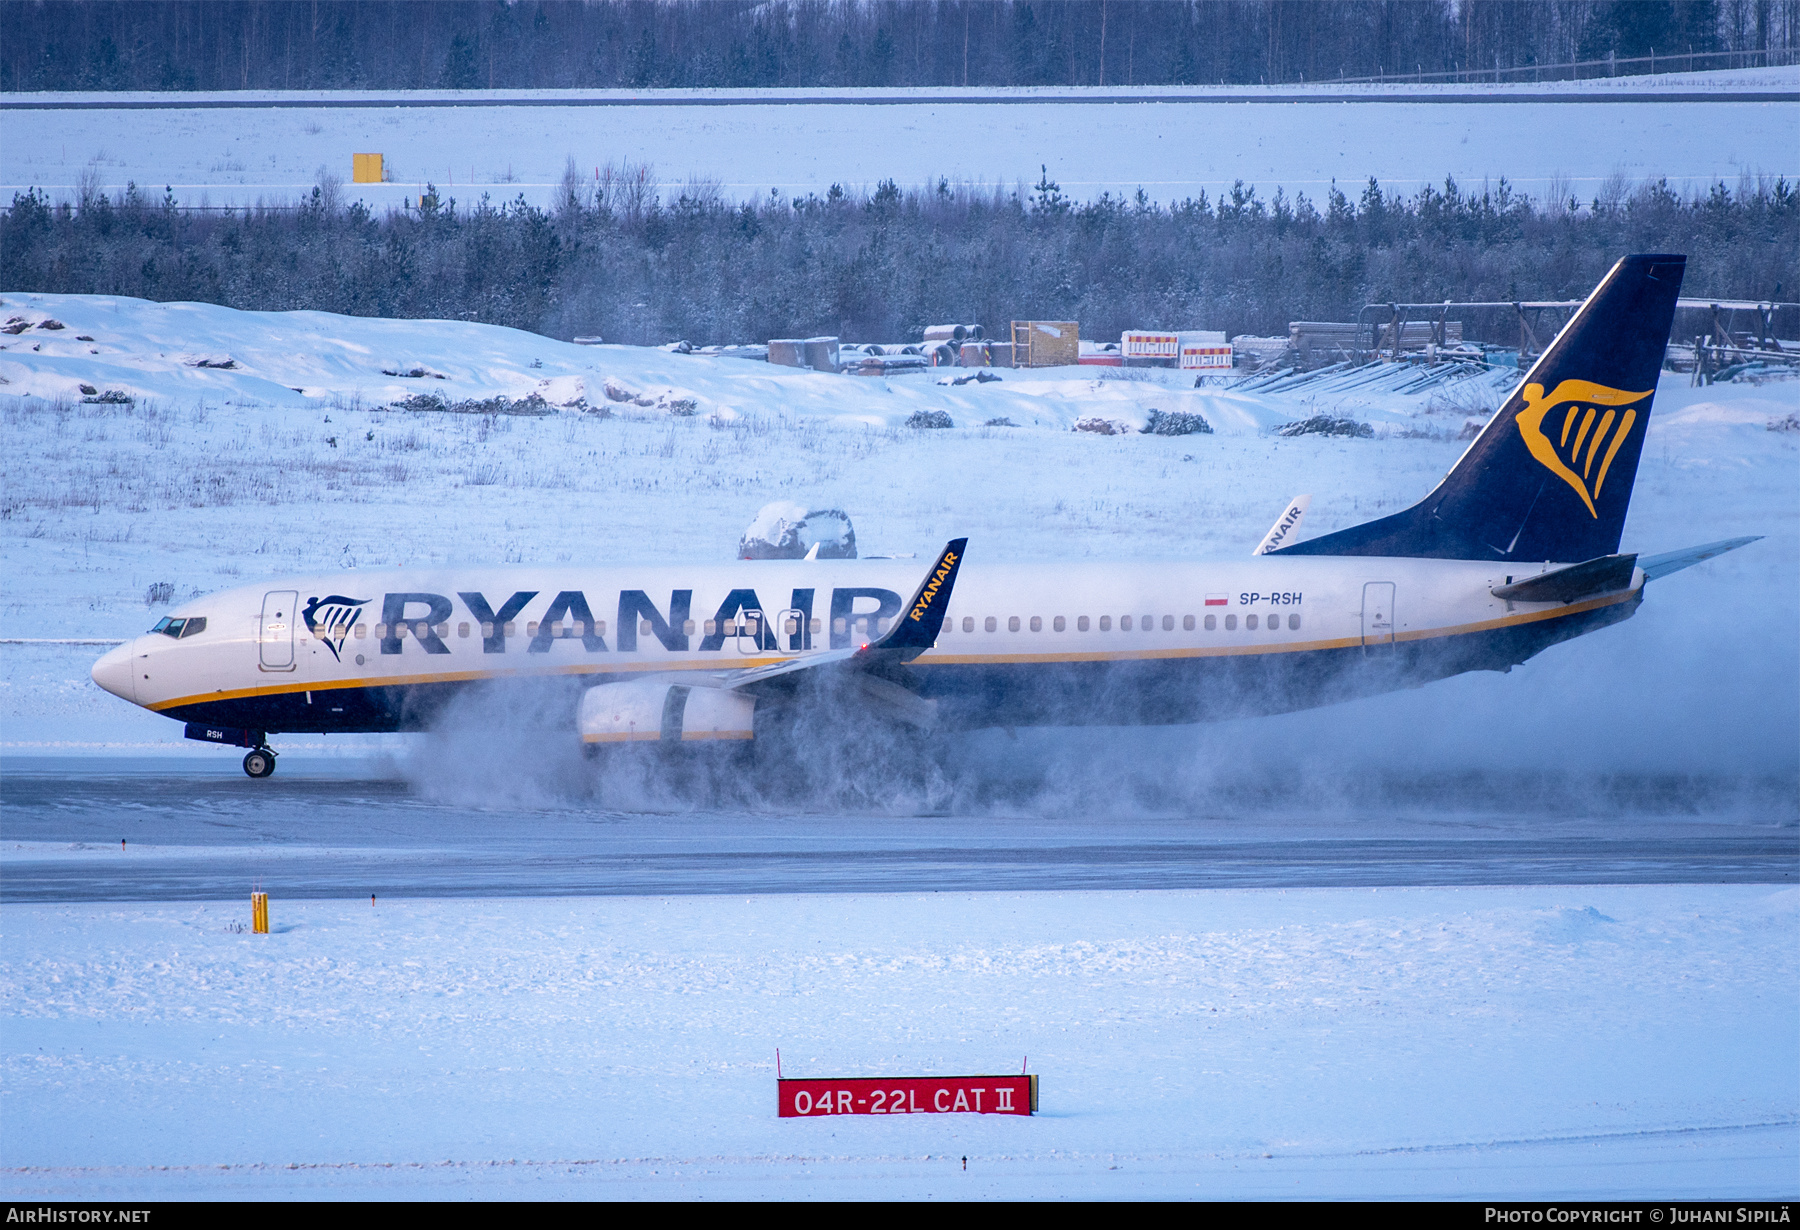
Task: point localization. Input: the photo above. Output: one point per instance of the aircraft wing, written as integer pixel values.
(732, 680)
(1656, 566)
(912, 634)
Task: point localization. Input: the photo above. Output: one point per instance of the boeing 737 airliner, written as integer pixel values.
(1515, 550)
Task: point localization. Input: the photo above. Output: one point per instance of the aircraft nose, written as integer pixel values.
(113, 672)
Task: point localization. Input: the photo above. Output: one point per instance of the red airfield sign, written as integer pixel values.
(908, 1095)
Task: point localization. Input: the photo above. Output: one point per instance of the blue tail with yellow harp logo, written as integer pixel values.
(1550, 476)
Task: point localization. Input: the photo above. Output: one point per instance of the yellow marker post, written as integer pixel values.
(259, 913)
(366, 168)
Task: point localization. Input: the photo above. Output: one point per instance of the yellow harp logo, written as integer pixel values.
(1579, 439)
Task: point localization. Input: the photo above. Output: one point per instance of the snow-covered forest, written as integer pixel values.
(636, 263)
(639, 44)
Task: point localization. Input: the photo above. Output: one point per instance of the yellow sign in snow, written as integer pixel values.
(367, 168)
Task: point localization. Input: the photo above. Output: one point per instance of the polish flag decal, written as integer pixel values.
(1215, 599)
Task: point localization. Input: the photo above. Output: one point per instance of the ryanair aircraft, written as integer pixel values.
(1515, 550)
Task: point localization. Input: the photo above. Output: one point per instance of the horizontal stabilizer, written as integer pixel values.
(1674, 561)
(1606, 575)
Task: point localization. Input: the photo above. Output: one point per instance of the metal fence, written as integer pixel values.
(1611, 66)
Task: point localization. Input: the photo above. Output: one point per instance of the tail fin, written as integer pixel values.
(1550, 476)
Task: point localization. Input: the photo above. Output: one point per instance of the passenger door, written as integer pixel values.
(275, 630)
(1378, 616)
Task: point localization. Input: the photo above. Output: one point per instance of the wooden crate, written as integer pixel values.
(1046, 343)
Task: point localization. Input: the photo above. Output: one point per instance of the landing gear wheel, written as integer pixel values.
(260, 762)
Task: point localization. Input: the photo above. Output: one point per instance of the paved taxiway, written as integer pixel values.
(193, 830)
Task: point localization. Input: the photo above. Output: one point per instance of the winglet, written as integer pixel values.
(1286, 525)
(917, 628)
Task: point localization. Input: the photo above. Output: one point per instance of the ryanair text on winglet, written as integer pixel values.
(930, 591)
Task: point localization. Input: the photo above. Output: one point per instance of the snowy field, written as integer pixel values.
(1525, 1042)
(1603, 1041)
(236, 149)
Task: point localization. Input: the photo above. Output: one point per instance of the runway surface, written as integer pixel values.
(90, 829)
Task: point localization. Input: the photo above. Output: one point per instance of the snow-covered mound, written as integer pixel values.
(75, 347)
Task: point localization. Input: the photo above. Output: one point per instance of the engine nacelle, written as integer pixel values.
(649, 711)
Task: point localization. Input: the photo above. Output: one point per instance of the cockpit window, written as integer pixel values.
(191, 626)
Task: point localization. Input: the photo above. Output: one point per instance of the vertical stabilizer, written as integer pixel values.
(1550, 476)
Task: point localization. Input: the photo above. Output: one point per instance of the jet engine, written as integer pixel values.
(649, 711)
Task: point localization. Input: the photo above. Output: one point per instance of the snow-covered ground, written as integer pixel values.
(1172, 142)
(1455, 1042)
(1523, 1042)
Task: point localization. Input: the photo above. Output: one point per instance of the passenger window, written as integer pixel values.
(194, 626)
(1293, 623)
(1168, 623)
(968, 623)
(1106, 623)
(1059, 623)
(1124, 623)
(381, 632)
(1012, 623)
(1231, 623)
(817, 624)
(1250, 622)
(1212, 622)
(839, 626)
(531, 629)
(990, 624)
(600, 627)
(512, 629)
(360, 631)
(400, 631)
(462, 630)
(487, 631)
(1187, 623)
(711, 627)
(1148, 623)
(1081, 624)
(687, 627)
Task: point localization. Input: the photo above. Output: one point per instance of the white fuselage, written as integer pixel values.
(291, 650)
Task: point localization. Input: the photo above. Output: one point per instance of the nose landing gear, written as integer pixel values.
(260, 762)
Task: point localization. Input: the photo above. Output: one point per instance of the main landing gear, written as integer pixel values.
(260, 762)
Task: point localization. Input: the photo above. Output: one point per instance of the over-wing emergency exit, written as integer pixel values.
(1515, 550)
